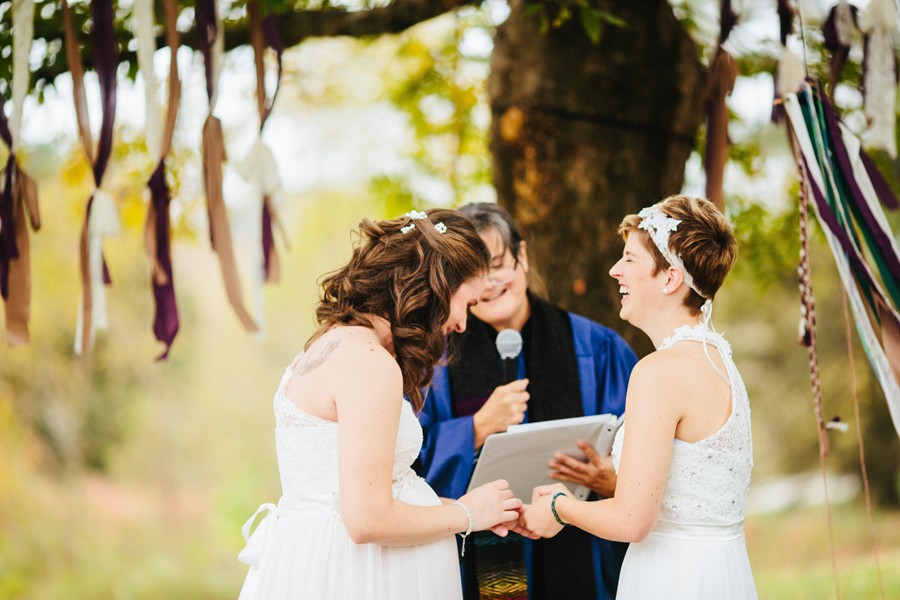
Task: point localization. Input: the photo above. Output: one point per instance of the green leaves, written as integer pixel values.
(556, 13)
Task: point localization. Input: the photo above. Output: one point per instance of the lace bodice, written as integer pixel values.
(307, 448)
(708, 481)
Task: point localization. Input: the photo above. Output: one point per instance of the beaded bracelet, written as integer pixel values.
(471, 525)
(553, 508)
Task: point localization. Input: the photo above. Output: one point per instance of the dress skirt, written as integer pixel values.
(302, 551)
(688, 562)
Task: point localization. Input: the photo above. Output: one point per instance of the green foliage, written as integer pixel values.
(768, 242)
(443, 93)
(556, 13)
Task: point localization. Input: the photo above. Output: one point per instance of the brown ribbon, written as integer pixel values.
(77, 71)
(722, 74)
(173, 39)
(18, 301)
(213, 157)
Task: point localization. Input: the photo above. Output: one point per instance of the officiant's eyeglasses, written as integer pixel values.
(503, 275)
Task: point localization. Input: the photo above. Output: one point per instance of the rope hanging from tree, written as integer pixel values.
(18, 196)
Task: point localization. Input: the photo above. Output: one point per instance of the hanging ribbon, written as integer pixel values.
(838, 35)
(878, 23)
(723, 72)
(211, 44)
(18, 195)
(101, 218)
(157, 229)
(842, 209)
(790, 72)
(259, 167)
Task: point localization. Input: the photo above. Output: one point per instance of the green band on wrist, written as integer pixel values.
(553, 508)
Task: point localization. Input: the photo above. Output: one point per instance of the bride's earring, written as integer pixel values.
(665, 290)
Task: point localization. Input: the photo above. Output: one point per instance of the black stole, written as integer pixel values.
(562, 566)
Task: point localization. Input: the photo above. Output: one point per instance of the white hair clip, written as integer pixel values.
(414, 214)
(441, 228)
(408, 228)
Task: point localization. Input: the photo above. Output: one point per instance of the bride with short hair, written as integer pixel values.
(684, 462)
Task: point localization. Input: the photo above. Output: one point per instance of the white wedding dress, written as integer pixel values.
(301, 549)
(696, 550)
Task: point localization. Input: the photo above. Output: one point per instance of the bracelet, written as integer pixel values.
(553, 508)
(471, 525)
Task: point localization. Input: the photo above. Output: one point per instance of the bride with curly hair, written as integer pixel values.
(354, 520)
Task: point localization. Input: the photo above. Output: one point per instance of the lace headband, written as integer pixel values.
(659, 225)
(414, 215)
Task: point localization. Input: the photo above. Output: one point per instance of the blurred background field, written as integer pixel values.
(125, 478)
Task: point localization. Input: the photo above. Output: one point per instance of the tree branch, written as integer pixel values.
(293, 27)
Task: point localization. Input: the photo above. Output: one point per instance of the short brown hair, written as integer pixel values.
(704, 241)
(408, 278)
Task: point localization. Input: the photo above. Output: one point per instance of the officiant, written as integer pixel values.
(569, 366)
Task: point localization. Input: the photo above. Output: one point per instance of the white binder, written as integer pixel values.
(520, 455)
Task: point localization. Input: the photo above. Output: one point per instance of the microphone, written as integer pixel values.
(509, 345)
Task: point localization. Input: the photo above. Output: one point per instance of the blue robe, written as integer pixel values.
(605, 362)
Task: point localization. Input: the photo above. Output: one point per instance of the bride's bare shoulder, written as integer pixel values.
(356, 351)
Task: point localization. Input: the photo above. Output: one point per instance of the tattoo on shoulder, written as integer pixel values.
(315, 363)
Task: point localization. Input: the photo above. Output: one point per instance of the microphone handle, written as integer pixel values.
(510, 370)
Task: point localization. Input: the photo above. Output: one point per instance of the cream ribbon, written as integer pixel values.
(103, 222)
(260, 170)
(23, 35)
(879, 22)
(144, 22)
(790, 74)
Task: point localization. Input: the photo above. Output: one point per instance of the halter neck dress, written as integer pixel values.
(697, 549)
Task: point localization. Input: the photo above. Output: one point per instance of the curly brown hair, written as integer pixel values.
(407, 279)
(704, 241)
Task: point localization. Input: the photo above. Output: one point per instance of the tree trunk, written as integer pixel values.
(583, 135)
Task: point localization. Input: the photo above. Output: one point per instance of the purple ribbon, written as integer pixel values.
(727, 21)
(165, 320)
(785, 19)
(268, 241)
(274, 40)
(270, 31)
(105, 62)
(9, 250)
(207, 29)
(882, 189)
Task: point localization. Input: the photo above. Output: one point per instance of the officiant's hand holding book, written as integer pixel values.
(597, 473)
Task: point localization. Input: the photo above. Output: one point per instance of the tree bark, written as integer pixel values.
(583, 135)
